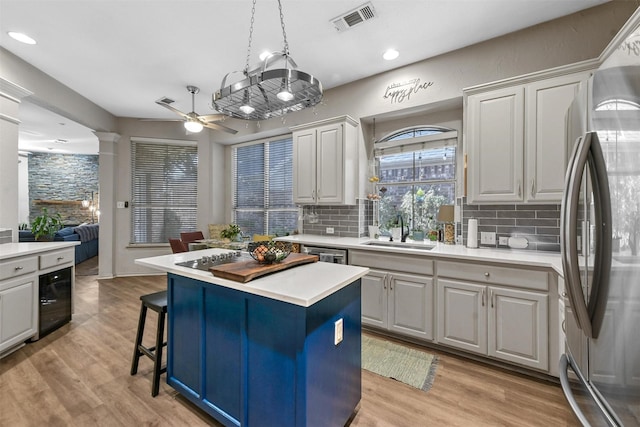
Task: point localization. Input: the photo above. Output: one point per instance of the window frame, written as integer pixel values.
(394, 143)
(266, 209)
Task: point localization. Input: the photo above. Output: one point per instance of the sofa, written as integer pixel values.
(86, 234)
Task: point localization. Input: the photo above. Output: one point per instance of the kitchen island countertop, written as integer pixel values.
(302, 285)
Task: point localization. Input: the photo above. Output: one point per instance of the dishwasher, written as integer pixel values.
(332, 255)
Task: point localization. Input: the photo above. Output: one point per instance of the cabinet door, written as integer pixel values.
(304, 166)
(330, 164)
(18, 311)
(547, 152)
(374, 299)
(495, 136)
(518, 327)
(462, 315)
(411, 305)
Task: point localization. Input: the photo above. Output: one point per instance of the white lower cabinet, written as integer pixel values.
(496, 321)
(18, 310)
(398, 302)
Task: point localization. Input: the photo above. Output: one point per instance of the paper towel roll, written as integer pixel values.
(472, 233)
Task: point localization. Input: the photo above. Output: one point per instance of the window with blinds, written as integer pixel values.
(164, 189)
(263, 188)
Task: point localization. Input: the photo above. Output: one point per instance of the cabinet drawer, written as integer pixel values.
(53, 259)
(383, 261)
(17, 267)
(517, 277)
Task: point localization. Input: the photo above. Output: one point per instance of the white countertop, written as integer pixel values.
(303, 285)
(12, 250)
(440, 250)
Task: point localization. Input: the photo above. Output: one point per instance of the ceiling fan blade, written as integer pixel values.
(212, 117)
(218, 126)
(175, 110)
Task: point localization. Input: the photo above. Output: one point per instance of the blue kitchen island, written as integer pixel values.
(281, 350)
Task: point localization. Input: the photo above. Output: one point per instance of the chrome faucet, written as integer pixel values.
(403, 235)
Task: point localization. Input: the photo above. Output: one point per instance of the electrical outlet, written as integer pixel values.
(503, 241)
(339, 331)
(329, 230)
(120, 205)
(487, 238)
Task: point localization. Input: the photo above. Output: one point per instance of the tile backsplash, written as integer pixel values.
(346, 221)
(538, 223)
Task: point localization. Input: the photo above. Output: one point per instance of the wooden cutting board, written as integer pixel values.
(244, 271)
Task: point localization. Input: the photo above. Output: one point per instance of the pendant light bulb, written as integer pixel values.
(193, 126)
(246, 108)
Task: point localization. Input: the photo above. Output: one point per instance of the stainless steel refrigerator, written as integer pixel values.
(600, 233)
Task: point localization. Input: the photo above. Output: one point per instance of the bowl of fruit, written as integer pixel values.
(269, 252)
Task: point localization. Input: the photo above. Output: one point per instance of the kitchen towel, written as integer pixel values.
(472, 233)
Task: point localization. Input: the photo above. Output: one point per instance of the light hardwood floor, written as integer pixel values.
(79, 376)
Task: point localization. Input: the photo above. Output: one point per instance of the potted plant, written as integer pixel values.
(418, 234)
(45, 225)
(393, 226)
(231, 232)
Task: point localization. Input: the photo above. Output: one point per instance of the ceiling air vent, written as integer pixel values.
(354, 17)
(166, 100)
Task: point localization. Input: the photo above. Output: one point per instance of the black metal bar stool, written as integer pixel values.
(158, 303)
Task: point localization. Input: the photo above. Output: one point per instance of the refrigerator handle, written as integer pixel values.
(566, 389)
(603, 234)
(568, 227)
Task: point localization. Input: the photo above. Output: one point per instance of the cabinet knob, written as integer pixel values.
(60, 258)
(18, 268)
(487, 274)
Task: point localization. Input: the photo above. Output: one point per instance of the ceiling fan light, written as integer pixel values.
(193, 126)
(247, 109)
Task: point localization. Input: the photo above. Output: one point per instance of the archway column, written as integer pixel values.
(107, 176)
(10, 97)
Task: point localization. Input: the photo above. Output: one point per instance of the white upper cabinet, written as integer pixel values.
(325, 162)
(516, 139)
(495, 145)
(546, 135)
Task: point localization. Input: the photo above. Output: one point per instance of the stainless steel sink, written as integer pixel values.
(400, 245)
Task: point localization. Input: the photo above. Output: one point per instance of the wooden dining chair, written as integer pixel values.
(191, 236)
(178, 246)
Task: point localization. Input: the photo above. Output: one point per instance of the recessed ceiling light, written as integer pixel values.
(391, 54)
(23, 38)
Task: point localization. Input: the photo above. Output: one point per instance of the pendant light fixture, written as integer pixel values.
(272, 89)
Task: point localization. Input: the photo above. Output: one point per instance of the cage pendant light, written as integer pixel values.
(272, 89)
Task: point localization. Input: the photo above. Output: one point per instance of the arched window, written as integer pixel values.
(416, 171)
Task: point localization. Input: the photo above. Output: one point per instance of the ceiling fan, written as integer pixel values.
(194, 122)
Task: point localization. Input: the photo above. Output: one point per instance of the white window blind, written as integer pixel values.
(263, 188)
(164, 190)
